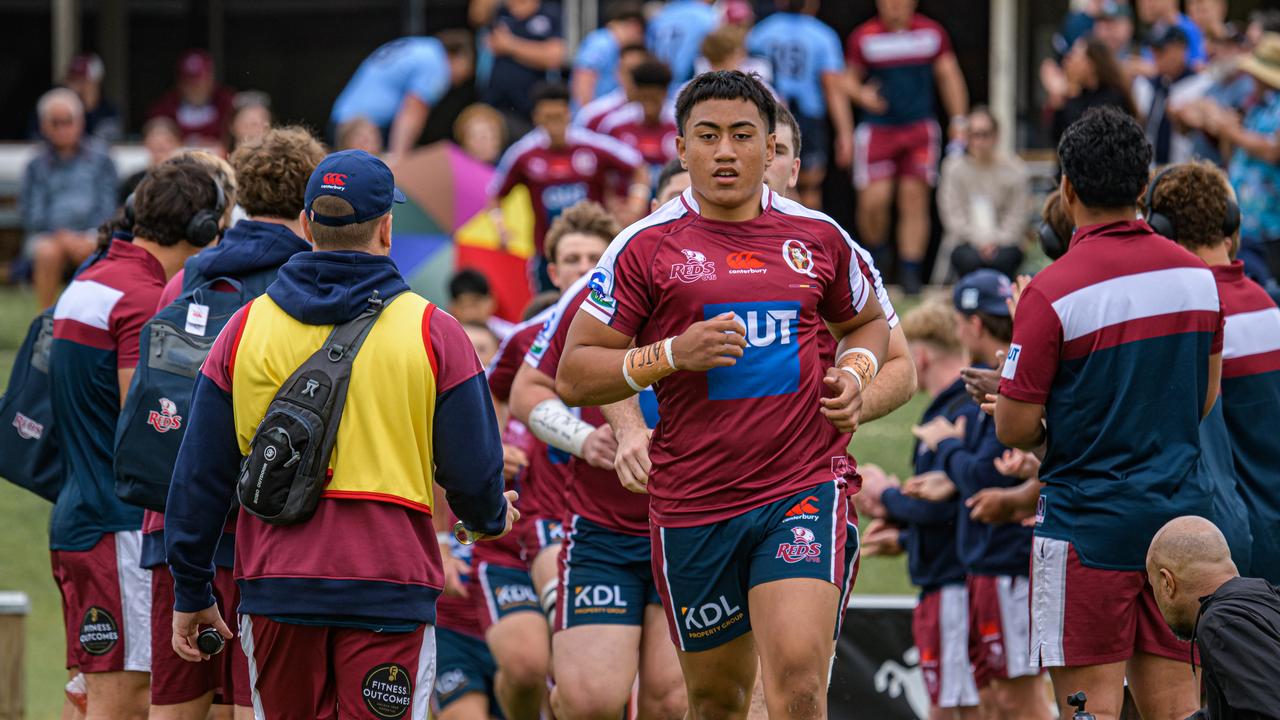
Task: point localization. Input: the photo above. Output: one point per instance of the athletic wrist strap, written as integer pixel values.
(554, 423)
(644, 366)
(860, 363)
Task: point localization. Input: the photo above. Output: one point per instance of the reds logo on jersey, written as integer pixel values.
(802, 547)
(167, 418)
(696, 267)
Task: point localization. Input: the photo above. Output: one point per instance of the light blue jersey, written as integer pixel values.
(801, 48)
(675, 36)
(599, 52)
(410, 65)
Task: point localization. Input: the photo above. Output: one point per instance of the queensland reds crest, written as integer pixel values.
(696, 267)
(798, 257)
(167, 418)
(802, 547)
(584, 161)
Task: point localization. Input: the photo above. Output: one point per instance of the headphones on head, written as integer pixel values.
(202, 228)
(1053, 244)
(1164, 225)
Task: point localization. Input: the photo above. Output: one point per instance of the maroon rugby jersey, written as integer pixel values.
(738, 437)
(656, 142)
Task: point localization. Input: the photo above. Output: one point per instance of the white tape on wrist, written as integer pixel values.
(855, 375)
(671, 357)
(875, 364)
(554, 423)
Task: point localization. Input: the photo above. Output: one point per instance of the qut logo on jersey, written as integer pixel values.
(770, 365)
(557, 198)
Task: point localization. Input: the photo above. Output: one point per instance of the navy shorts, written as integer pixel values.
(505, 591)
(706, 571)
(606, 577)
(813, 142)
(464, 665)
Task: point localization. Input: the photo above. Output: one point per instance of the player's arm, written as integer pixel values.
(534, 402)
(1215, 381)
(895, 383)
(407, 125)
(124, 376)
(631, 461)
(951, 87)
(865, 95)
(834, 88)
(600, 367)
(582, 85)
(1019, 424)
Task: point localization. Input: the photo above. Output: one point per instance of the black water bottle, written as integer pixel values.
(210, 641)
(1077, 701)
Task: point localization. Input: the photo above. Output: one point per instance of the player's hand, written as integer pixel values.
(991, 506)
(1018, 464)
(938, 429)
(1019, 287)
(871, 100)
(879, 538)
(186, 627)
(632, 460)
(845, 408)
(600, 447)
(869, 499)
(717, 342)
(454, 569)
(513, 461)
(844, 151)
(980, 382)
(933, 486)
(513, 516)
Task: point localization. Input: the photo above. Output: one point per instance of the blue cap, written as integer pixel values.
(361, 179)
(983, 291)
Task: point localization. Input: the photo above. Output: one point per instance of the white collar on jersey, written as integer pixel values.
(766, 199)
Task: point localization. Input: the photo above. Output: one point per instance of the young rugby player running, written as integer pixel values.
(747, 487)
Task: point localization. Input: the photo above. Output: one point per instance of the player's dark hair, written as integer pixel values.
(634, 47)
(670, 170)
(726, 85)
(540, 302)
(623, 11)
(786, 117)
(468, 281)
(1105, 155)
(549, 92)
(1000, 327)
(168, 197)
(651, 73)
(457, 43)
(1195, 198)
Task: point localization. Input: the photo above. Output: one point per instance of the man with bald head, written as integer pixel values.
(1234, 621)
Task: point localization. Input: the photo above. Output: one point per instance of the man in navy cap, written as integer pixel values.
(338, 611)
(996, 557)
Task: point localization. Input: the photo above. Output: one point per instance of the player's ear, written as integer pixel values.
(771, 147)
(680, 151)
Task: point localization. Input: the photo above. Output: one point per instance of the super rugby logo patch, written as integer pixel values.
(27, 428)
(167, 418)
(98, 631)
(388, 691)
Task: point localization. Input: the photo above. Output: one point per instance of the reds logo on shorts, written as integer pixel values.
(167, 418)
(803, 547)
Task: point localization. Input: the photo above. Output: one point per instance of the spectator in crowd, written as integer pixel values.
(471, 301)
(1255, 164)
(1228, 87)
(68, 189)
(200, 106)
(161, 140)
(483, 339)
(595, 66)
(481, 133)
(629, 58)
(725, 48)
(1160, 15)
(1211, 17)
(1233, 621)
(527, 42)
(397, 85)
(1080, 20)
(675, 35)
(1085, 358)
(359, 133)
(808, 72)
(1261, 22)
(252, 118)
(894, 60)
(101, 118)
(1090, 77)
(562, 166)
(983, 200)
(1114, 27)
(648, 124)
(1173, 84)
(225, 175)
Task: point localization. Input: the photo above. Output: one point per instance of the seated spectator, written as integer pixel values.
(160, 138)
(68, 190)
(359, 133)
(481, 133)
(471, 301)
(200, 106)
(1173, 84)
(1233, 621)
(397, 85)
(101, 118)
(1089, 77)
(983, 202)
(648, 124)
(595, 66)
(527, 42)
(252, 118)
(629, 58)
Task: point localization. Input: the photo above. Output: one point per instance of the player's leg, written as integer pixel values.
(472, 706)
(1000, 615)
(662, 694)
(180, 690)
(233, 666)
(873, 173)
(282, 687)
(544, 548)
(718, 682)
(1104, 684)
(759, 710)
(464, 677)
(940, 625)
(595, 668)
(383, 674)
(874, 202)
(518, 637)
(117, 695)
(1158, 673)
(913, 228)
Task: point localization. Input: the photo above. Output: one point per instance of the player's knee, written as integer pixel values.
(586, 701)
(725, 699)
(664, 704)
(798, 679)
(524, 668)
(47, 253)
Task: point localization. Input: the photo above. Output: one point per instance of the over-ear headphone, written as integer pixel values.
(202, 228)
(1164, 225)
(1053, 245)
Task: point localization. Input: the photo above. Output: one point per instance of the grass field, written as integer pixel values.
(24, 522)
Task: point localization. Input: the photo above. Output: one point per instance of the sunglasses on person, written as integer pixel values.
(982, 133)
(62, 121)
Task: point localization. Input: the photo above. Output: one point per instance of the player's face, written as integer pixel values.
(651, 99)
(553, 116)
(896, 12)
(784, 171)
(576, 254)
(628, 62)
(726, 146)
(483, 341)
(676, 185)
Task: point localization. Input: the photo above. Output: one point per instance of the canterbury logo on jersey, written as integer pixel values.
(745, 263)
